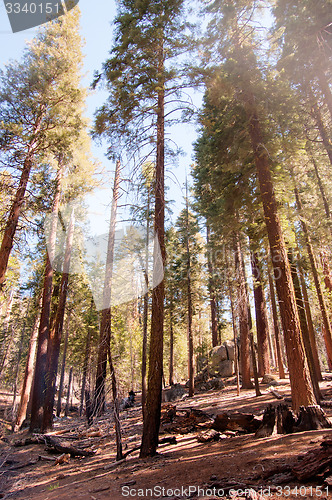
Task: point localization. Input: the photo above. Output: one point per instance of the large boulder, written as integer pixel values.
(221, 360)
(173, 393)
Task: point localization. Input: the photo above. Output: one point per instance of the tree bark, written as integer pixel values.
(235, 333)
(105, 323)
(151, 422)
(145, 309)
(54, 343)
(189, 305)
(262, 324)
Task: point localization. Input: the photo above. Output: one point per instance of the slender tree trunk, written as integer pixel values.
(19, 356)
(211, 287)
(116, 413)
(321, 300)
(39, 385)
(316, 114)
(63, 368)
(310, 323)
(171, 343)
(325, 89)
(145, 310)
(304, 329)
(54, 343)
(28, 375)
(189, 305)
(86, 363)
(276, 327)
(151, 422)
(243, 316)
(235, 332)
(302, 393)
(69, 391)
(105, 323)
(262, 324)
(6, 343)
(253, 354)
(322, 190)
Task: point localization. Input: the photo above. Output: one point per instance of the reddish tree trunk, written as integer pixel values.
(321, 300)
(243, 317)
(28, 374)
(211, 287)
(53, 349)
(39, 385)
(262, 324)
(63, 367)
(302, 393)
(171, 344)
(276, 327)
(151, 421)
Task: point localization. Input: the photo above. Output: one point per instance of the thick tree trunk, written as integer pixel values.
(63, 368)
(262, 324)
(39, 386)
(304, 328)
(28, 374)
(151, 422)
(105, 325)
(242, 308)
(302, 393)
(54, 343)
(211, 287)
(321, 300)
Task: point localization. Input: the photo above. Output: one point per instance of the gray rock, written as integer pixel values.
(173, 393)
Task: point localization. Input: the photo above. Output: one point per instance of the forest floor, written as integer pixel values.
(187, 469)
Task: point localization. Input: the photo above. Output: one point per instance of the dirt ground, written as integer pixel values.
(187, 469)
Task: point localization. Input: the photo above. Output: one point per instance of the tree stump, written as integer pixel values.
(312, 418)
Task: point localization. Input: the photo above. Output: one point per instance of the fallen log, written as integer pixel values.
(53, 444)
(315, 462)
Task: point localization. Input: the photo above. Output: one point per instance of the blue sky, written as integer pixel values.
(97, 32)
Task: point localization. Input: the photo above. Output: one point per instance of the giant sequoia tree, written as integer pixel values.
(242, 77)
